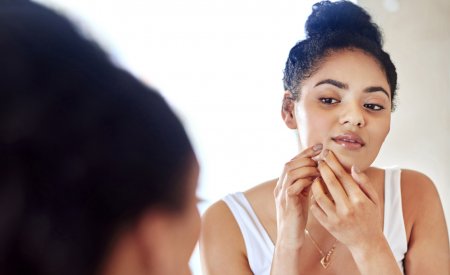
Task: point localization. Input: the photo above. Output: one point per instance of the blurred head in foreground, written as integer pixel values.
(97, 174)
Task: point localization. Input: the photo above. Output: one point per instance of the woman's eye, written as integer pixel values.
(328, 100)
(373, 107)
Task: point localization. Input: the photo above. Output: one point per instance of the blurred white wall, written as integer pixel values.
(220, 64)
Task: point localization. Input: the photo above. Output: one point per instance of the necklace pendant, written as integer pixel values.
(325, 261)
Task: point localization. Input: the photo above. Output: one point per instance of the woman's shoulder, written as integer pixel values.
(221, 240)
(219, 218)
(413, 175)
(254, 195)
(420, 197)
(261, 191)
(412, 182)
(416, 185)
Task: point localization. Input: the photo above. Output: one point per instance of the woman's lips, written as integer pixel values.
(349, 141)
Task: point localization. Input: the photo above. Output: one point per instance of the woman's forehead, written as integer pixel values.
(351, 67)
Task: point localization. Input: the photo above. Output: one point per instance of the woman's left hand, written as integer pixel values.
(352, 214)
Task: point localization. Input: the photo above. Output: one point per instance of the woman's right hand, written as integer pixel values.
(292, 195)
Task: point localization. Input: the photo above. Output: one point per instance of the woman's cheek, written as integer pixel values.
(313, 124)
(310, 137)
(318, 132)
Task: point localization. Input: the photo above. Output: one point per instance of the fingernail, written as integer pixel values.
(316, 158)
(356, 169)
(317, 147)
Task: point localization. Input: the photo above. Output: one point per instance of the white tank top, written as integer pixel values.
(260, 247)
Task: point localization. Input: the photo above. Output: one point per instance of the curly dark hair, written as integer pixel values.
(331, 27)
(85, 148)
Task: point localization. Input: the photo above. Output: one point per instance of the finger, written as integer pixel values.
(293, 164)
(298, 163)
(300, 173)
(311, 151)
(322, 200)
(298, 193)
(334, 186)
(302, 159)
(364, 183)
(346, 180)
(299, 187)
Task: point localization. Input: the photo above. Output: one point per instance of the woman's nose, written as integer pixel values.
(353, 115)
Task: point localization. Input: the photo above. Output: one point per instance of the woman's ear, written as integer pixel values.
(287, 111)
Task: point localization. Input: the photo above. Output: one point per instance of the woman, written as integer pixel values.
(330, 212)
(97, 175)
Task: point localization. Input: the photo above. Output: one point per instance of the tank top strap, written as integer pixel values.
(394, 225)
(257, 241)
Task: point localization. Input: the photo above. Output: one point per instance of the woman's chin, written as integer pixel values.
(347, 162)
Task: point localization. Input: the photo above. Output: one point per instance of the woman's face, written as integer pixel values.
(346, 106)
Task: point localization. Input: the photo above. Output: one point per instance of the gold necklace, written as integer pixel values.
(326, 258)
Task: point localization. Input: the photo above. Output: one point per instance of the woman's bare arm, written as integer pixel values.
(428, 247)
(222, 248)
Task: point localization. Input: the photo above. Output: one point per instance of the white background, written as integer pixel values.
(219, 64)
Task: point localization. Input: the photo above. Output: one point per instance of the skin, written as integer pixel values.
(344, 204)
(161, 242)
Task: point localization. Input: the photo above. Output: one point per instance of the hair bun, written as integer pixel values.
(342, 16)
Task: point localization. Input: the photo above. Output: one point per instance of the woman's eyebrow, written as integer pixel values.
(333, 82)
(342, 85)
(374, 89)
